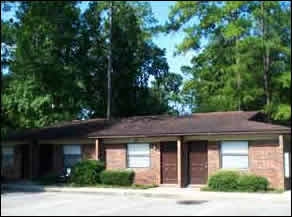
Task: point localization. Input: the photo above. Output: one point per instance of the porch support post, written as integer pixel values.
(179, 162)
(97, 149)
(281, 144)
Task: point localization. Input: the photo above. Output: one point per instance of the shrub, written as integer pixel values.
(117, 177)
(224, 181)
(235, 181)
(87, 172)
(252, 183)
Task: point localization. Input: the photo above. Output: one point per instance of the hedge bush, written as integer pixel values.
(224, 181)
(87, 172)
(117, 177)
(252, 183)
(229, 181)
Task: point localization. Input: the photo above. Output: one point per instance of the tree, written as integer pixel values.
(134, 58)
(246, 57)
(167, 89)
(59, 66)
(43, 73)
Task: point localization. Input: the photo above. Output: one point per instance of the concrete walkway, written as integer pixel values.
(160, 192)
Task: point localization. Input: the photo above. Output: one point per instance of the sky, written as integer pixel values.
(168, 42)
(161, 10)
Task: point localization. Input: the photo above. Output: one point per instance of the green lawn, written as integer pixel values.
(112, 186)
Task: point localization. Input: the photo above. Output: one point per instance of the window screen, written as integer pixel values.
(138, 155)
(234, 154)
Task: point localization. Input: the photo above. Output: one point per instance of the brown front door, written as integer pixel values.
(46, 159)
(198, 163)
(169, 163)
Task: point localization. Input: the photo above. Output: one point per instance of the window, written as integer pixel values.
(138, 155)
(72, 155)
(234, 154)
(7, 157)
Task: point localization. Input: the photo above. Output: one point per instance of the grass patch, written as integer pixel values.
(269, 191)
(134, 186)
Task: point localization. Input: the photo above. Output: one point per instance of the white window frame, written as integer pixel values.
(234, 154)
(72, 152)
(7, 152)
(142, 155)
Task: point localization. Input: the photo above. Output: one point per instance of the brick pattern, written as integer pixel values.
(15, 171)
(116, 158)
(266, 159)
(213, 157)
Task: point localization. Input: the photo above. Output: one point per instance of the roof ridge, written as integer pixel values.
(224, 112)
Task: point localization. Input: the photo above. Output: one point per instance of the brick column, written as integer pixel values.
(213, 157)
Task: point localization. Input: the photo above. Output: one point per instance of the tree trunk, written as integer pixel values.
(266, 58)
(237, 62)
(238, 75)
(109, 69)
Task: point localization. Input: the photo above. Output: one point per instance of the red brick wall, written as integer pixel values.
(116, 158)
(266, 159)
(213, 157)
(15, 171)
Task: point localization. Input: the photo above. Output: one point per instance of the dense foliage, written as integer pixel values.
(56, 58)
(252, 183)
(241, 55)
(117, 177)
(224, 181)
(87, 172)
(229, 181)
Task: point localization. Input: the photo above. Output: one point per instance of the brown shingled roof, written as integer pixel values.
(163, 125)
